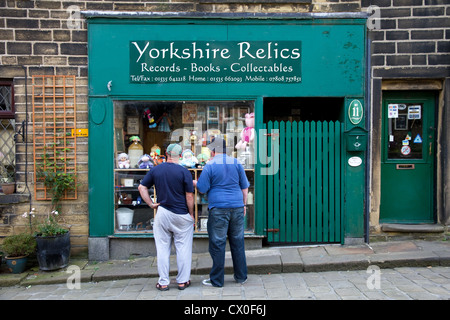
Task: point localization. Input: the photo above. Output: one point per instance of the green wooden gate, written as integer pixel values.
(305, 191)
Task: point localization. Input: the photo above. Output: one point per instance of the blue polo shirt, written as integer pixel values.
(223, 178)
(171, 181)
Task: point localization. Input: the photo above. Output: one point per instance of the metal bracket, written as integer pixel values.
(20, 132)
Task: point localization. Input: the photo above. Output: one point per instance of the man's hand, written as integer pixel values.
(153, 205)
(143, 191)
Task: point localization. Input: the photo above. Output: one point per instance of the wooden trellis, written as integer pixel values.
(54, 124)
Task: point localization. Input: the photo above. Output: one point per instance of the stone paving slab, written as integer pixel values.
(406, 283)
(269, 260)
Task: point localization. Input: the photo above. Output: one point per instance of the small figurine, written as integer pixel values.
(189, 160)
(248, 134)
(145, 162)
(203, 159)
(151, 120)
(154, 157)
(122, 161)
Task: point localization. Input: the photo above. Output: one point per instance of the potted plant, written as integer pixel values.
(17, 248)
(6, 178)
(53, 239)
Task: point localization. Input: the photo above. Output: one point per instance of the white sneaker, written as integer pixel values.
(207, 282)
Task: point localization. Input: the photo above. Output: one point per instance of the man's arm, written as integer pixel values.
(190, 203)
(244, 195)
(143, 190)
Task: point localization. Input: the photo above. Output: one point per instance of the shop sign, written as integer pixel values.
(355, 111)
(215, 62)
(79, 132)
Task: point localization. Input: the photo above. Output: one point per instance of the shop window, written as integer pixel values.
(144, 129)
(7, 131)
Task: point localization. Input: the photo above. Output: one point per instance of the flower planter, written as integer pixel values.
(53, 252)
(8, 188)
(16, 264)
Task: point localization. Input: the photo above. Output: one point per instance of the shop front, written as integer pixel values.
(286, 92)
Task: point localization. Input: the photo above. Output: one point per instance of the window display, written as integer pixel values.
(144, 129)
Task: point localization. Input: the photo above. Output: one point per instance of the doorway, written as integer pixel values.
(408, 157)
(304, 201)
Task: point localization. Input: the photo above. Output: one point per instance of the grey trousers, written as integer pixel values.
(181, 227)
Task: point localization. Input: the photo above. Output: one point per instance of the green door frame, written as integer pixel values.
(406, 176)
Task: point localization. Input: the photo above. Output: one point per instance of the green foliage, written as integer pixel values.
(52, 171)
(45, 227)
(17, 245)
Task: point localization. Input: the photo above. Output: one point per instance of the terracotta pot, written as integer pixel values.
(8, 188)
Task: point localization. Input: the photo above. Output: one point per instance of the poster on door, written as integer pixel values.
(414, 113)
(392, 111)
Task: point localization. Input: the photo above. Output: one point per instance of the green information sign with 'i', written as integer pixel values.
(355, 112)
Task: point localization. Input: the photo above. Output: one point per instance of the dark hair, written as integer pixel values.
(218, 145)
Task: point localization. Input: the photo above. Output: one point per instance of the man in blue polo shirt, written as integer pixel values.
(174, 218)
(224, 180)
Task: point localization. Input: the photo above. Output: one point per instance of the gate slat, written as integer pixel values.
(289, 189)
(337, 181)
(307, 184)
(319, 182)
(313, 183)
(325, 197)
(331, 181)
(301, 189)
(295, 182)
(261, 207)
(282, 176)
(270, 191)
(276, 193)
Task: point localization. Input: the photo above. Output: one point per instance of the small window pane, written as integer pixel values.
(5, 98)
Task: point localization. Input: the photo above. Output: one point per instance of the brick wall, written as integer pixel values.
(414, 39)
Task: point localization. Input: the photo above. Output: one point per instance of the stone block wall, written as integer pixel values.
(412, 39)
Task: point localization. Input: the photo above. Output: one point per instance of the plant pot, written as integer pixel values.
(8, 188)
(53, 252)
(16, 264)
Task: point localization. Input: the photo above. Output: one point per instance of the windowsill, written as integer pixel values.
(14, 198)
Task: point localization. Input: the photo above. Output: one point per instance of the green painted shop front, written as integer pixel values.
(303, 77)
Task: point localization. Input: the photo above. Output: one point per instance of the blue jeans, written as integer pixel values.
(223, 222)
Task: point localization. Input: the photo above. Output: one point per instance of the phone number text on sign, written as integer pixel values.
(215, 62)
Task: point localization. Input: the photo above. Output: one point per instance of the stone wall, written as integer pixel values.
(413, 39)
